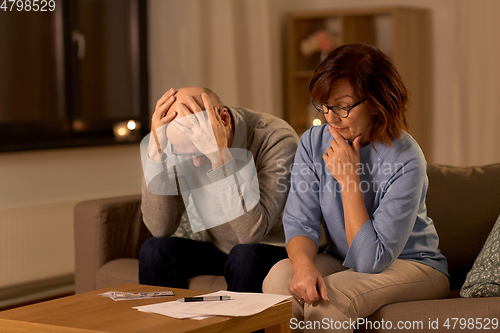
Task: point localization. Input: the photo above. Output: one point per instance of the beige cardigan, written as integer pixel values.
(272, 143)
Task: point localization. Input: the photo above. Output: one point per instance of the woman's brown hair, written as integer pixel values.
(371, 75)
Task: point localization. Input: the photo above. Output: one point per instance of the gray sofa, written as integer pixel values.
(464, 203)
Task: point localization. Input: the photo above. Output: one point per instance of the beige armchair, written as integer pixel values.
(108, 236)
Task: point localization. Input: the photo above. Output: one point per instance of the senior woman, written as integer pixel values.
(365, 176)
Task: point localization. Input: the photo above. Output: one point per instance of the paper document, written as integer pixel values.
(240, 304)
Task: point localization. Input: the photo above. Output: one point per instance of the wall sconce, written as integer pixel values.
(317, 122)
(314, 117)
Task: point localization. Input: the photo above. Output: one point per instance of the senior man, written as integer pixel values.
(230, 168)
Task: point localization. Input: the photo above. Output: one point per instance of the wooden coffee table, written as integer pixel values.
(89, 312)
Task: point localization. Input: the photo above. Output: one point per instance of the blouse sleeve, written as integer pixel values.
(383, 237)
(302, 215)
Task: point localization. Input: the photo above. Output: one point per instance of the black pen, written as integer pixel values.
(205, 298)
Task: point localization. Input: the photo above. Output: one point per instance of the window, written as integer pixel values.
(68, 77)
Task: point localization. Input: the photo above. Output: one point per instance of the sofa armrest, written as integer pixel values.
(105, 229)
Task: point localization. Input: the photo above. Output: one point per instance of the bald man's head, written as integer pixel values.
(195, 92)
(181, 143)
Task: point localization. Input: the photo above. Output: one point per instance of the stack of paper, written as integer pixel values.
(240, 304)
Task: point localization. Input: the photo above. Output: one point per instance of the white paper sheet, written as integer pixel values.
(240, 304)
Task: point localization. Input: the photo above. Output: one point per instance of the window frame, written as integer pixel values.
(62, 133)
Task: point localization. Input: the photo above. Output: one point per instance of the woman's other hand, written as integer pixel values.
(308, 284)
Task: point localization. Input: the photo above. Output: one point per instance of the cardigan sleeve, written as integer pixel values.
(265, 206)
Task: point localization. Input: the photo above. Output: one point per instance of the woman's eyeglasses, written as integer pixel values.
(339, 110)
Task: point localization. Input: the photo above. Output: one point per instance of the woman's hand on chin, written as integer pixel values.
(342, 160)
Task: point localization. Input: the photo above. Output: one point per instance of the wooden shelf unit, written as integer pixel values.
(403, 33)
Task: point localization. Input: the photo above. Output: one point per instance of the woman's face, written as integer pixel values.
(359, 120)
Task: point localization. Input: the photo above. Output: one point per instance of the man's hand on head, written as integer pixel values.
(159, 119)
(208, 134)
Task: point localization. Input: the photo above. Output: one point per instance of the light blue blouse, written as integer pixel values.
(394, 183)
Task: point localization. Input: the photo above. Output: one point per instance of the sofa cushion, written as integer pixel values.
(483, 279)
(121, 271)
(422, 316)
(207, 283)
(117, 272)
(463, 203)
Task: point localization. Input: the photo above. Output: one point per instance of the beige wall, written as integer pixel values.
(227, 45)
(38, 192)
